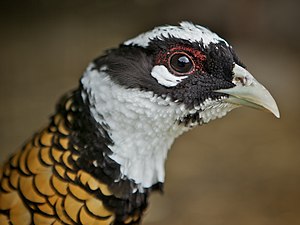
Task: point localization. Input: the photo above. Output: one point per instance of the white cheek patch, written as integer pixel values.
(141, 124)
(164, 77)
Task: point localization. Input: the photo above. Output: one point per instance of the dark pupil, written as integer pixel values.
(181, 63)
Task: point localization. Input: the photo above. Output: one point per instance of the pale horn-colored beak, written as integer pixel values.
(249, 92)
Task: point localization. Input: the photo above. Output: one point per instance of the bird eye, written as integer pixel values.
(181, 63)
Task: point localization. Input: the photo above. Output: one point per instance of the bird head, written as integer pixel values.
(190, 66)
(163, 82)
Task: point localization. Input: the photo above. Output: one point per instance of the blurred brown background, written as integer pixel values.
(243, 169)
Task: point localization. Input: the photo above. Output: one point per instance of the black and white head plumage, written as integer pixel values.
(160, 84)
(145, 63)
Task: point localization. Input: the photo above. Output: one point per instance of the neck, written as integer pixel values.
(137, 123)
(89, 142)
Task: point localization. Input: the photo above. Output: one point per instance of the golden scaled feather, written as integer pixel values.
(42, 185)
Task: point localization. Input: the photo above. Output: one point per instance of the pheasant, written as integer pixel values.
(104, 149)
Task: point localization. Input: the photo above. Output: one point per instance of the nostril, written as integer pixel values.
(240, 81)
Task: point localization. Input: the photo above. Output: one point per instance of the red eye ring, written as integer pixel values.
(181, 63)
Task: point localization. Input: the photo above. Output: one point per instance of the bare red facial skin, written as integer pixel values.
(197, 57)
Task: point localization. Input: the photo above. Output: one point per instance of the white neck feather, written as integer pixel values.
(141, 125)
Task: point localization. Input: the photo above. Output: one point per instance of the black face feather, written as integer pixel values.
(130, 66)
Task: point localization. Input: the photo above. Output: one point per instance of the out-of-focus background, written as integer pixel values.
(242, 169)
